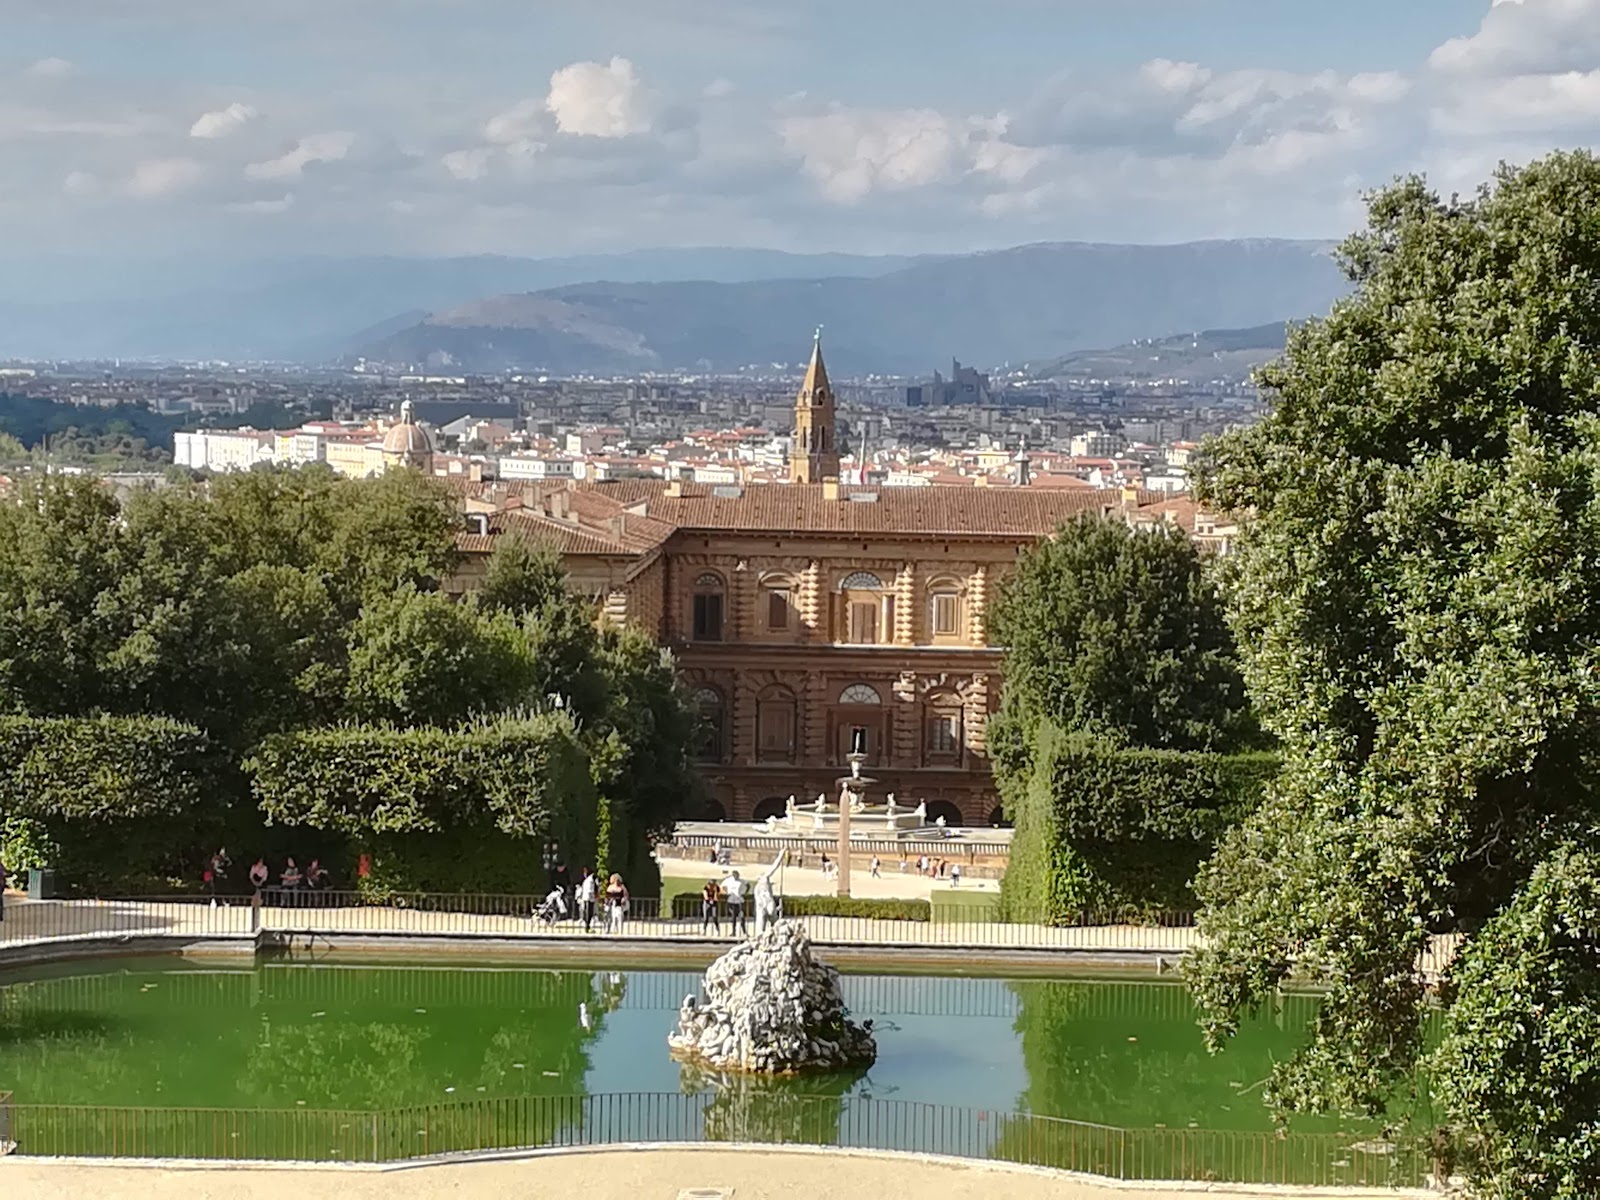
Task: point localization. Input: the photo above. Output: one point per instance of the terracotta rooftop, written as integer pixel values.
(802, 508)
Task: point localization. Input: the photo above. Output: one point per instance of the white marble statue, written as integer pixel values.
(788, 809)
(822, 801)
(940, 822)
(891, 804)
(766, 901)
(816, 820)
(772, 824)
(922, 811)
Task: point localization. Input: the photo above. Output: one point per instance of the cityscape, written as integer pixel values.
(718, 600)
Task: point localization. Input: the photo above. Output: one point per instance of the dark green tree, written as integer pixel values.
(420, 658)
(523, 576)
(1419, 612)
(1118, 633)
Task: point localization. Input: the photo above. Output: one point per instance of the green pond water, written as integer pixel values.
(166, 1032)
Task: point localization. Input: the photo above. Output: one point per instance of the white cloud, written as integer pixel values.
(852, 153)
(264, 207)
(49, 68)
(718, 88)
(223, 121)
(163, 177)
(1526, 37)
(80, 183)
(598, 99)
(318, 148)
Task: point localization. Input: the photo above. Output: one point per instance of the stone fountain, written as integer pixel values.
(770, 1008)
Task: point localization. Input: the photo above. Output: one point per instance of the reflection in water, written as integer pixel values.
(766, 1108)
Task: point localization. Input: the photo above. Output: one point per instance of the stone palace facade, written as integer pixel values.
(806, 616)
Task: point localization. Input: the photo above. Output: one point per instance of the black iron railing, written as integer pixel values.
(753, 1117)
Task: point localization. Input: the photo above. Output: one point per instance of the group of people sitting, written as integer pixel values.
(292, 881)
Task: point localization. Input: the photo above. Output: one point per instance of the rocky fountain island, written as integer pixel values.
(771, 1008)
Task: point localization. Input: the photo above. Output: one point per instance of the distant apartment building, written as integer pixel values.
(223, 450)
(1095, 443)
(537, 466)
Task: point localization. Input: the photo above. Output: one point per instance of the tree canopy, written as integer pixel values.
(280, 602)
(1418, 607)
(1118, 633)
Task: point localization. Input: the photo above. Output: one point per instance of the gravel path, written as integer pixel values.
(636, 1175)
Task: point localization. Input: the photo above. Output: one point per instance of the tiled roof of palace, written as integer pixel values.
(803, 508)
(635, 516)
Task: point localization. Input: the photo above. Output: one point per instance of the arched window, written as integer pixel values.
(713, 724)
(947, 810)
(861, 581)
(776, 713)
(709, 591)
(860, 693)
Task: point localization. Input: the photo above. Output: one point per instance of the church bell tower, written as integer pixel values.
(814, 456)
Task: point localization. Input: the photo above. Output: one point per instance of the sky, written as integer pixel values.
(147, 129)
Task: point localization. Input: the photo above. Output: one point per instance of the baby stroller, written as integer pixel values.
(553, 909)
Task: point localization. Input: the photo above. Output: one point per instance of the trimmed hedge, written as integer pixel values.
(688, 905)
(113, 803)
(438, 809)
(1104, 829)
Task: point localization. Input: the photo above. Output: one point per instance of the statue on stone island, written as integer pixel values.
(766, 901)
(770, 1008)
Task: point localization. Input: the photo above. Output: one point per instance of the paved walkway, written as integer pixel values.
(32, 922)
(35, 922)
(638, 1175)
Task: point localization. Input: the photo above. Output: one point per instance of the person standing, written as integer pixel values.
(586, 897)
(733, 889)
(955, 875)
(876, 868)
(709, 896)
(616, 903)
(258, 876)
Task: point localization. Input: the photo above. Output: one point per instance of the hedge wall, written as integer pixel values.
(113, 803)
(1109, 830)
(466, 809)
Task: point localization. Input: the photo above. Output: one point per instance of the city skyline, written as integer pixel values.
(434, 127)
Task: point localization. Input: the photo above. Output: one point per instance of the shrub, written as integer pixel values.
(438, 809)
(113, 803)
(1116, 831)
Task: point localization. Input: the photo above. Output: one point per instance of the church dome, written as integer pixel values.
(406, 440)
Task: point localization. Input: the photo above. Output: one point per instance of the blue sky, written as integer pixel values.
(202, 127)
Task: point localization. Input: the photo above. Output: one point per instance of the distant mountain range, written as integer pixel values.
(991, 308)
(308, 309)
(689, 309)
(1226, 354)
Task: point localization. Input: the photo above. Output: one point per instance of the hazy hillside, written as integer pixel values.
(309, 308)
(1005, 306)
(1209, 354)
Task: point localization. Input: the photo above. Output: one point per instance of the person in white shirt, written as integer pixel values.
(875, 866)
(955, 874)
(733, 889)
(586, 898)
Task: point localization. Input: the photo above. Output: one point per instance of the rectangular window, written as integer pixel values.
(864, 622)
(944, 733)
(946, 614)
(708, 617)
(775, 732)
(778, 606)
